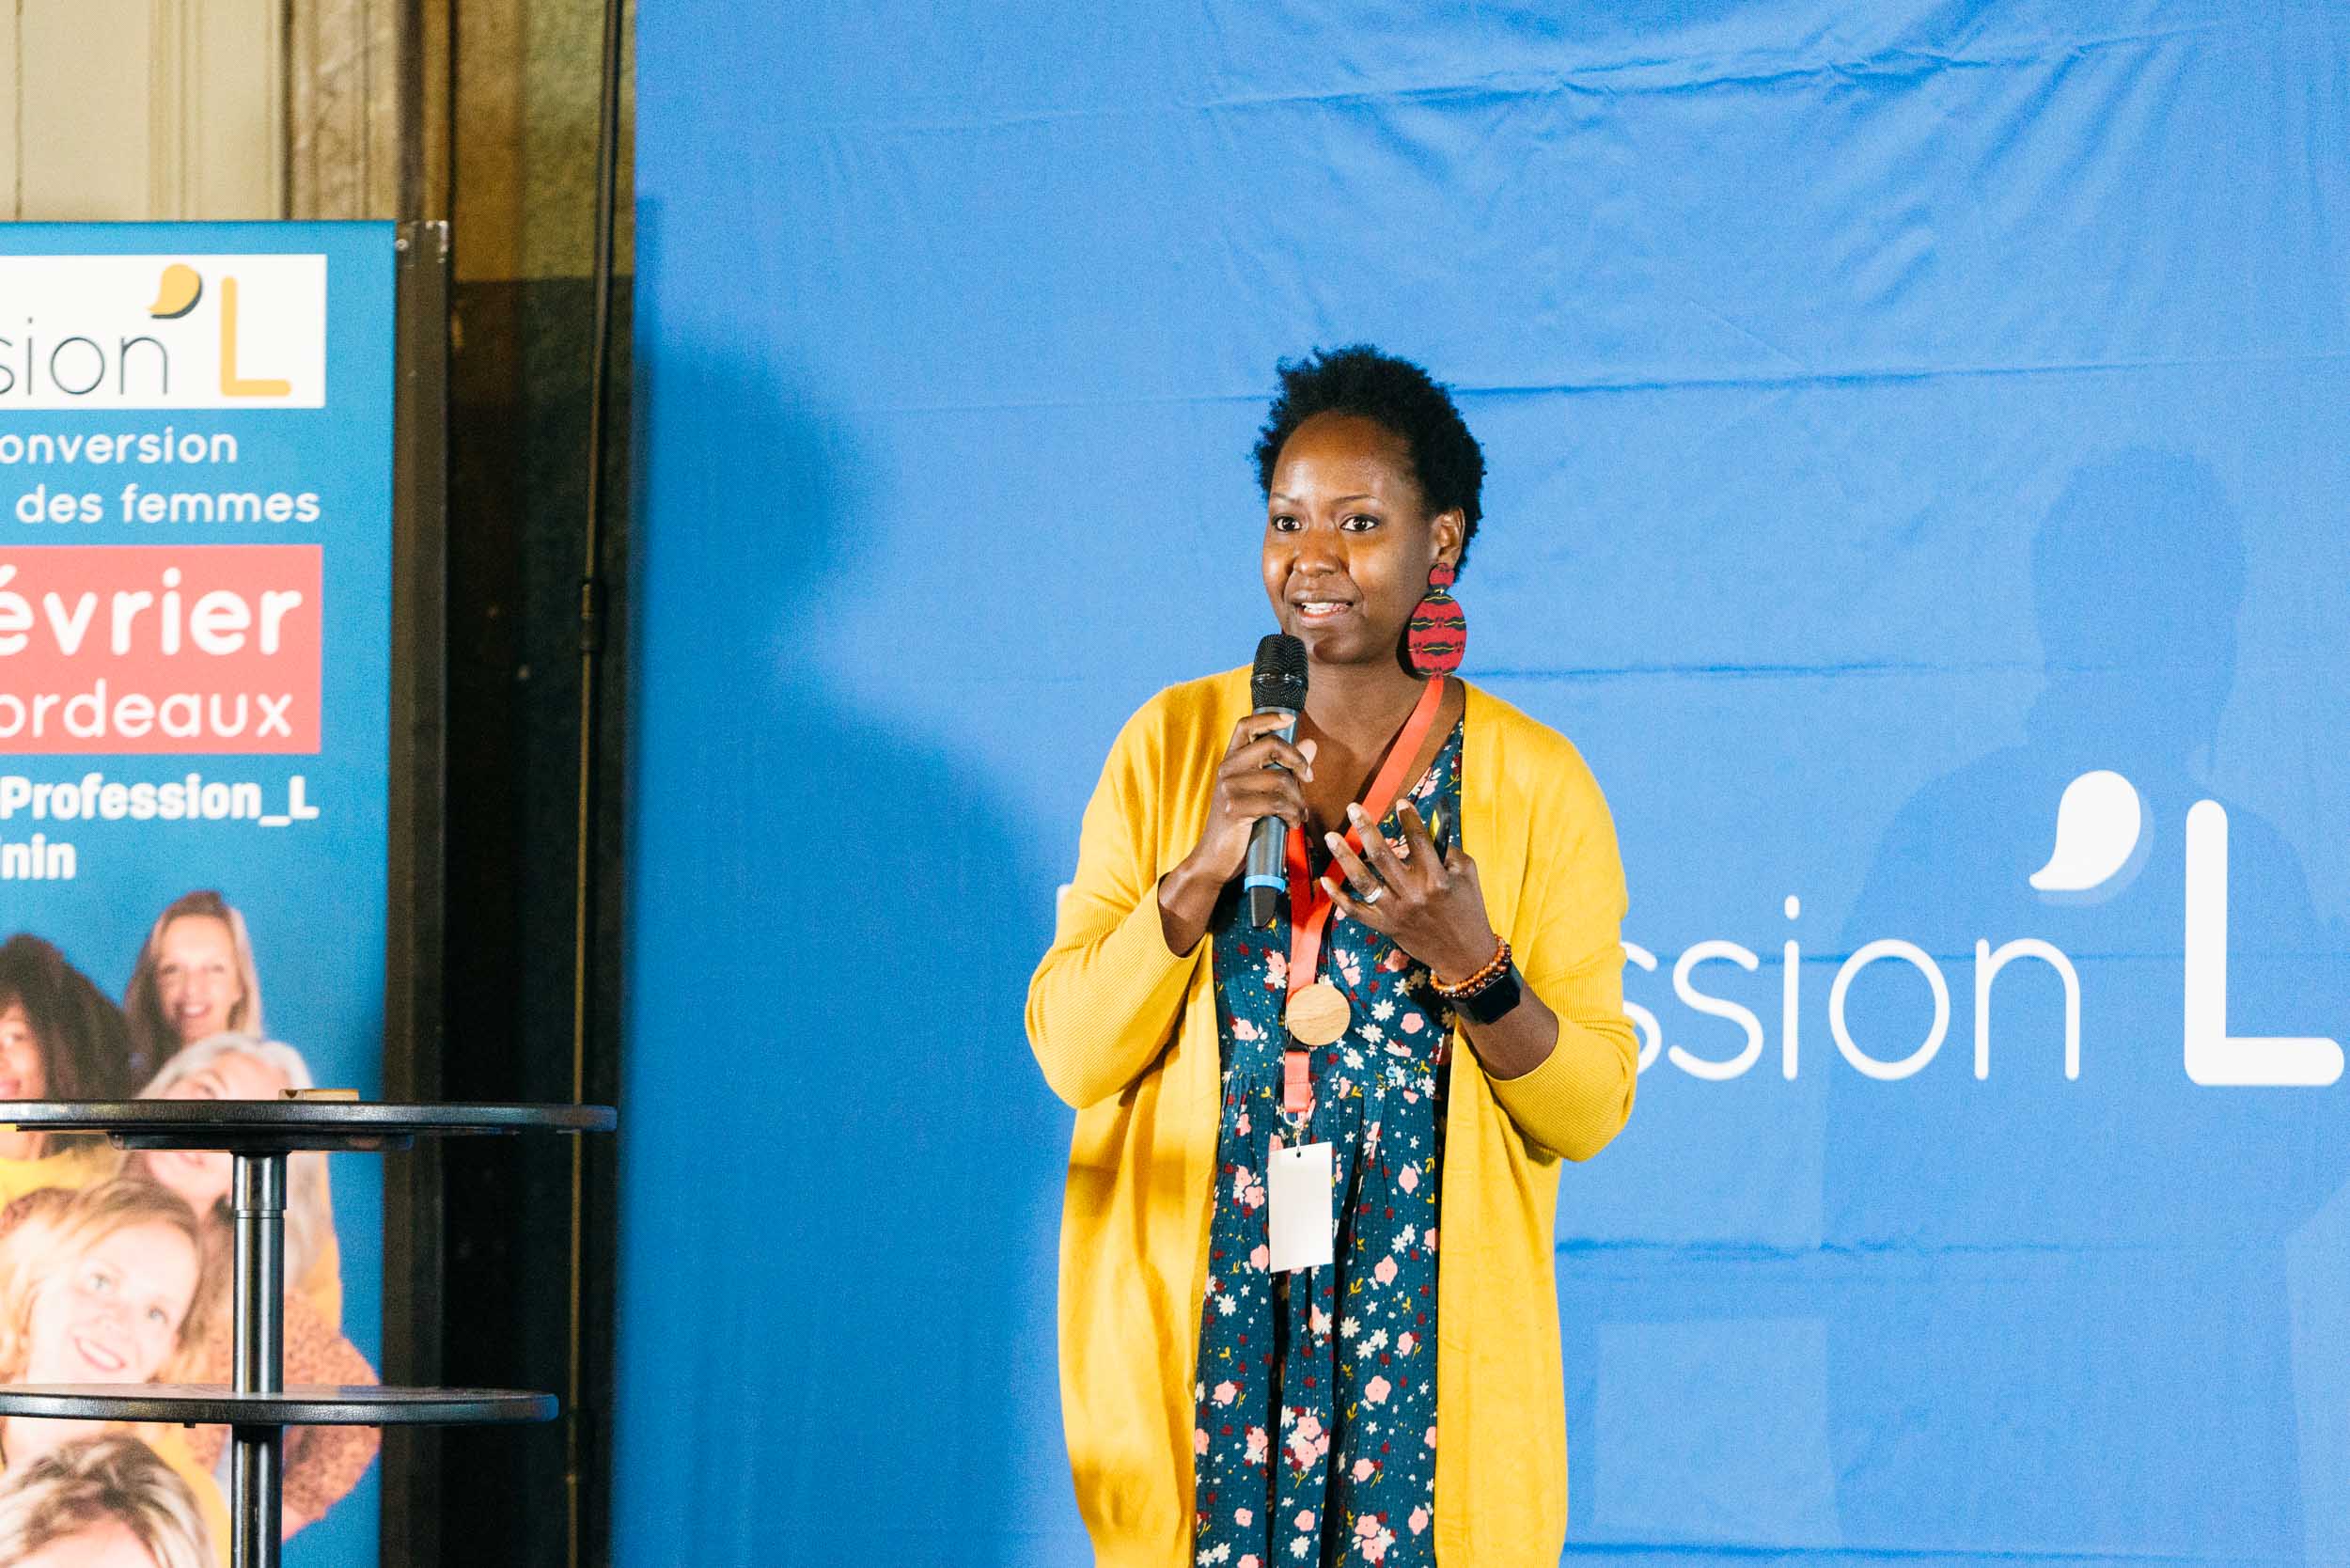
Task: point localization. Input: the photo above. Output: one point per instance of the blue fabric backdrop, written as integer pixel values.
(1893, 413)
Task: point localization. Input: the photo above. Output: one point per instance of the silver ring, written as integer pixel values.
(1367, 900)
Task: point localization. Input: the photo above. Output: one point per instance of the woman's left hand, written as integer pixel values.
(1432, 906)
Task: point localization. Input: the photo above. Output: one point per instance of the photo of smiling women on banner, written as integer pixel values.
(195, 977)
(323, 1464)
(60, 1039)
(106, 1502)
(105, 1285)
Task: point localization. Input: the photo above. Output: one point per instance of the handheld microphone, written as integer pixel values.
(1277, 685)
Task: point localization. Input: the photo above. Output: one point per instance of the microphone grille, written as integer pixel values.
(1279, 679)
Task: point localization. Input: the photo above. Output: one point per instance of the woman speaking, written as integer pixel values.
(1307, 1311)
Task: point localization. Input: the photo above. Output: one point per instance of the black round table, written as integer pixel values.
(257, 1407)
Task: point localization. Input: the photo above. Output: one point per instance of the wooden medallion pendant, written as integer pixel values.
(1318, 1015)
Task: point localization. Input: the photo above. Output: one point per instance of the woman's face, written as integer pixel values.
(196, 976)
(23, 1076)
(1348, 541)
(202, 1178)
(112, 1314)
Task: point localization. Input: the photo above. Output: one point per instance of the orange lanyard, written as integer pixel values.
(1310, 907)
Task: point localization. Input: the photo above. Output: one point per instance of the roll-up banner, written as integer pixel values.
(196, 576)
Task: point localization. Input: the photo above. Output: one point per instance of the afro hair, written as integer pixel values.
(1396, 394)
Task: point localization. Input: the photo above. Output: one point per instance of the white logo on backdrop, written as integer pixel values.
(2100, 847)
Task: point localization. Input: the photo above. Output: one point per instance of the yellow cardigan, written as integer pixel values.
(1127, 1033)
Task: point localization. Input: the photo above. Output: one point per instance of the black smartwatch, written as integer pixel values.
(1491, 1002)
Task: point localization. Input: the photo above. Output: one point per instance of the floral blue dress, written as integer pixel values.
(1315, 1441)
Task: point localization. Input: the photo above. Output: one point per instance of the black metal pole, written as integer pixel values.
(257, 1462)
(592, 636)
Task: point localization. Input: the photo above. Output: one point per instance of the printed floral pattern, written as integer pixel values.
(1315, 1441)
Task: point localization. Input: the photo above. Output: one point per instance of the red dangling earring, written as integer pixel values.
(1437, 635)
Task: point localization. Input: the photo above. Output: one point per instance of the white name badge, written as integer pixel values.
(1297, 1207)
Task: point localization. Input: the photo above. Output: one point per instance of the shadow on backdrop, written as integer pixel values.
(2107, 1254)
(833, 1128)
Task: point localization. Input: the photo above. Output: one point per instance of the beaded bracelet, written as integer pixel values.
(1495, 968)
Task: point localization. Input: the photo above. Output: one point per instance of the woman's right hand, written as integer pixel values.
(1247, 787)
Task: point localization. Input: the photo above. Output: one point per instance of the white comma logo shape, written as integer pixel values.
(2100, 840)
(2100, 845)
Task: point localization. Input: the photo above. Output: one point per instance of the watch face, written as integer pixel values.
(1496, 1000)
